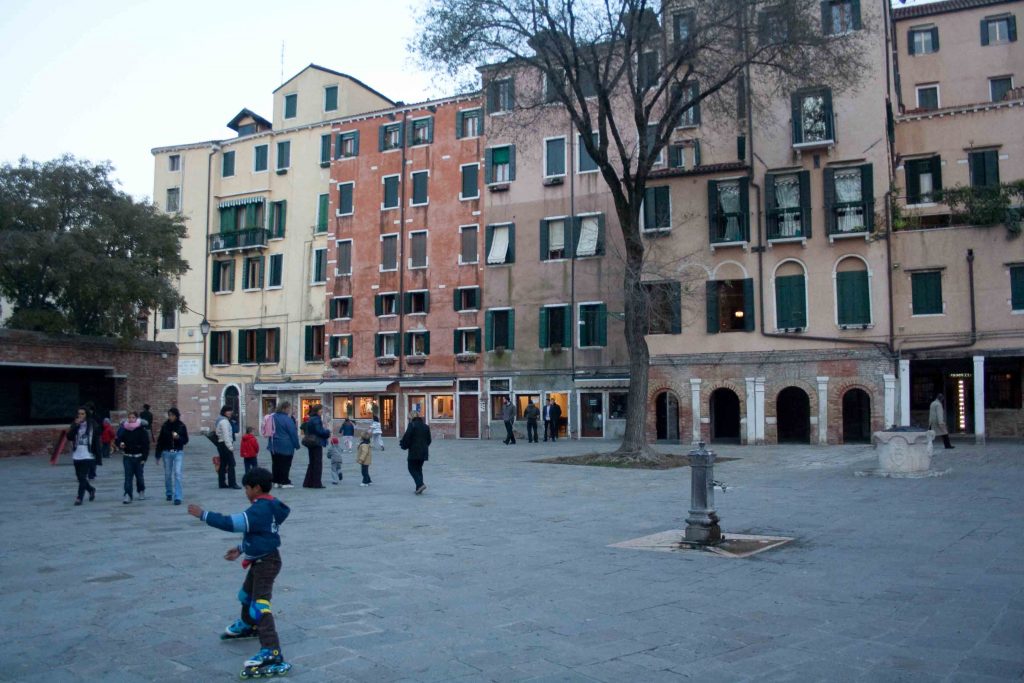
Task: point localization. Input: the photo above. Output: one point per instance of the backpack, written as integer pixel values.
(267, 429)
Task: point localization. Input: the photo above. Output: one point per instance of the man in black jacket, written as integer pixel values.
(552, 419)
(416, 440)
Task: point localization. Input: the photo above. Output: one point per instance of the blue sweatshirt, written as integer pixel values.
(259, 526)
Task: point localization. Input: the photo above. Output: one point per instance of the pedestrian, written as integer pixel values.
(508, 416)
(146, 416)
(334, 455)
(249, 449)
(348, 433)
(314, 438)
(170, 443)
(107, 438)
(532, 414)
(364, 456)
(260, 525)
(133, 440)
(283, 445)
(937, 420)
(84, 436)
(377, 433)
(416, 440)
(100, 457)
(225, 449)
(552, 419)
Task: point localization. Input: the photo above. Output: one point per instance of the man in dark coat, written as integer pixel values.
(416, 440)
(532, 413)
(552, 419)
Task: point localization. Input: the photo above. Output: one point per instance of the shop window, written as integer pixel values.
(417, 402)
(498, 403)
(730, 306)
(344, 407)
(617, 403)
(1002, 386)
(442, 407)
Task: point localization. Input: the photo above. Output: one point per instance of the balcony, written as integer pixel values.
(851, 219)
(729, 230)
(788, 225)
(238, 240)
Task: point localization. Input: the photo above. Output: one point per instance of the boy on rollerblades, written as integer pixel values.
(259, 552)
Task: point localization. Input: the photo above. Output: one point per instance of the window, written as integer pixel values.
(245, 217)
(772, 27)
(174, 163)
(346, 192)
(319, 266)
(417, 301)
(589, 235)
(341, 347)
(417, 402)
(259, 158)
(325, 149)
(331, 98)
(276, 271)
(500, 95)
(390, 192)
(554, 326)
(500, 328)
(840, 16)
(419, 188)
(923, 40)
(1017, 288)
(996, 30)
(468, 244)
(584, 162)
(291, 103)
(664, 307)
(347, 145)
(657, 209)
(422, 131)
(442, 407)
(926, 292)
(259, 346)
(167, 318)
(343, 265)
(227, 165)
(418, 249)
(924, 177)
(593, 325)
(417, 343)
(678, 153)
(469, 124)
(467, 298)
(388, 252)
(984, 168)
(552, 239)
(788, 205)
(278, 216)
(790, 297)
(323, 203)
(647, 66)
(1002, 384)
(314, 343)
(853, 298)
(220, 348)
(385, 304)
(691, 115)
(467, 340)
(551, 86)
(252, 275)
(501, 164)
(390, 136)
(683, 25)
(284, 155)
(927, 97)
(849, 200)
(730, 306)
(173, 204)
(501, 244)
(470, 181)
(223, 276)
(386, 344)
(999, 87)
(727, 211)
(812, 117)
(617, 404)
(554, 157)
(650, 140)
(341, 307)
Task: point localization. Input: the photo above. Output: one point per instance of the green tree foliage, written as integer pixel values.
(78, 255)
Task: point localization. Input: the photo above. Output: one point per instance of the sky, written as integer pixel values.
(110, 80)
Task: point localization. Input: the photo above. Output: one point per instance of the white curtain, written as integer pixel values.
(729, 201)
(787, 196)
(588, 237)
(850, 219)
(556, 236)
(813, 118)
(499, 246)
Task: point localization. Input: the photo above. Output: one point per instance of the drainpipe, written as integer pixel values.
(572, 273)
(206, 258)
(400, 304)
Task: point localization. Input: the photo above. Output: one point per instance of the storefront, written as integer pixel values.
(525, 389)
(602, 407)
(360, 401)
(435, 401)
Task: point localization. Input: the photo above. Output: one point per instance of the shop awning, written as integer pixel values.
(240, 202)
(286, 386)
(355, 387)
(427, 383)
(603, 383)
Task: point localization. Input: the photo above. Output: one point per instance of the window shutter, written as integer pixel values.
(489, 330)
(675, 156)
(826, 17)
(910, 43)
(492, 96)
(795, 100)
(748, 304)
(455, 341)
(476, 338)
(479, 122)
(215, 277)
(991, 168)
(805, 202)
(694, 92)
(511, 257)
(469, 181)
(867, 190)
(231, 276)
(830, 121)
(456, 299)
(459, 126)
(261, 346)
(830, 199)
(935, 38)
(712, 209)
(676, 298)
(542, 328)
(1017, 288)
(855, 7)
(309, 343)
(263, 260)
(649, 206)
(852, 292)
(476, 297)
(408, 301)
(712, 306)
(1012, 28)
(573, 227)
(408, 343)
(745, 208)
(250, 216)
(378, 305)
(741, 147)
(912, 171)
(241, 346)
(935, 164)
(489, 166)
(377, 344)
(770, 204)
(544, 240)
(511, 162)
(284, 216)
(601, 323)
(381, 136)
(325, 148)
(430, 129)
(511, 329)
(488, 239)
(600, 235)
(426, 343)
(321, 219)
(784, 301)
(567, 321)
(984, 32)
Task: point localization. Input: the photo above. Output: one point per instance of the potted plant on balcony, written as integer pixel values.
(416, 359)
(340, 361)
(386, 360)
(466, 357)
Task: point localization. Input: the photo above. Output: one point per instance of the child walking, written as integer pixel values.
(377, 433)
(334, 455)
(259, 551)
(250, 448)
(348, 433)
(364, 456)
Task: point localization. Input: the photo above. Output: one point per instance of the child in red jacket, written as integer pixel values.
(250, 449)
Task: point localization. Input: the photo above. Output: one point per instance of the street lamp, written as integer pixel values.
(204, 327)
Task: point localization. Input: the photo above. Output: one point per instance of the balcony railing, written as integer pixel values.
(850, 219)
(730, 228)
(251, 238)
(788, 224)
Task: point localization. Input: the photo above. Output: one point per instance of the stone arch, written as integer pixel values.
(838, 391)
(793, 410)
(716, 275)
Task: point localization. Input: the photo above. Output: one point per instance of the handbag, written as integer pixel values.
(212, 436)
(310, 441)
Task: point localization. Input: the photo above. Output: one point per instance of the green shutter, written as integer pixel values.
(926, 293)
(542, 328)
(377, 342)
(325, 148)
(991, 168)
(696, 153)
(426, 343)
(790, 297)
(984, 32)
(408, 344)
(912, 171)
(263, 263)
(649, 206)
(829, 178)
(459, 126)
(741, 147)
(511, 329)
(676, 297)
(544, 240)
(476, 338)
(261, 346)
(856, 15)
(322, 208)
(231, 276)
(489, 330)
(378, 305)
(675, 156)
(805, 202)
(830, 129)
(1011, 26)
(381, 136)
(511, 257)
(455, 341)
(748, 304)
(250, 216)
(242, 346)
(511, 163)
(935, 165)
(215, 277)
(567, 321)
(713, 211)
(910, 42)
(469, 181)
(1017, 288)
(853, 297)
(770, 204)
(711, 306)
(489, 166)
(601, 320)
(456, 299)
(331, 98)
(935, 38)
(309, 343)
(867, 190)
(795, 99)
(488, 239)
(826, 17)
(744, 208)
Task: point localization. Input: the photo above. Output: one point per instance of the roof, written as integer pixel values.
(248, 113)
(928, 9)
(336, 73)
(704, 169)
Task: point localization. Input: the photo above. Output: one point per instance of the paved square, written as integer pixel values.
(502, 571)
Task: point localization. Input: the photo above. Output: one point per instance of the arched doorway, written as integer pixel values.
(725, 416)
(856, 416)
(666, 414)
(793, 415)
(231, 399)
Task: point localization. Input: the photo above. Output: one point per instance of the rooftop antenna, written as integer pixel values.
(282, 61)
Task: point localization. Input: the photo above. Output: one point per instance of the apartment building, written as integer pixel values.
(958, 275)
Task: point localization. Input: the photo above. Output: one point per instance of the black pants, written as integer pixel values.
(531, 431)
(82, 474)
(365, 469)
(281, 467)
(315, 471)
(510, 436)
(416, 470)
(226, 471)
(249, 464)
(133, 471)
(258, 587)
(945, 441)
(550, 429)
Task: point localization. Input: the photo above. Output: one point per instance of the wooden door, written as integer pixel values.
(469, 416)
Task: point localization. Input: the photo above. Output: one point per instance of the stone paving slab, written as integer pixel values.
(503, 571)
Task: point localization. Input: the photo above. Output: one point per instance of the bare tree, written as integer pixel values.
(627, 70)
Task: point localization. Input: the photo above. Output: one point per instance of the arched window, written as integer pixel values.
(853, 292)
(790, 296)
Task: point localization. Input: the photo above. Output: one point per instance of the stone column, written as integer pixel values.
(823, 410)
(759, 410)
(904, 393)
(889, 406)
(695, 409)
(979, 400)
(751, 413)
